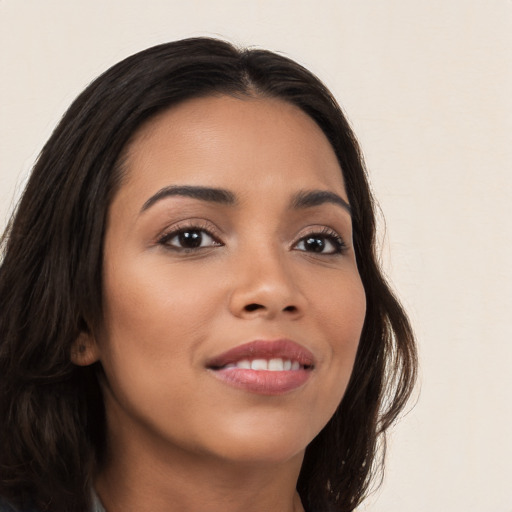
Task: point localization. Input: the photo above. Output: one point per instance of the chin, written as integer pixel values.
(263, 453)
(264, 441)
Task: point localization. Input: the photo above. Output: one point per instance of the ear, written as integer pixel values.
(84, 350)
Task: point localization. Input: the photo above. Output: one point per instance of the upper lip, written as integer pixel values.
(264, 349)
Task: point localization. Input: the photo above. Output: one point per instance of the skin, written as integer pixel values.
(179, 438)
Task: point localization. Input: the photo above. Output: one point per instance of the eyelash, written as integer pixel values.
(332, 236)
(339, 246)
(182, 229)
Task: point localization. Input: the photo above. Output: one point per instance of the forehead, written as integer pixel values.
(235, 143)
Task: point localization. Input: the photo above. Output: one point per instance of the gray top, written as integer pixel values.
(96, 503)
(7, 507)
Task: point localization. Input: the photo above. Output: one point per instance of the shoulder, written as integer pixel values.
(5, 506)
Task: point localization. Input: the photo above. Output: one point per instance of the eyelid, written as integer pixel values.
(327, 232)
(190, 224)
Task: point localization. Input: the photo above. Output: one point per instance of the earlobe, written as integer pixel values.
(84, 350)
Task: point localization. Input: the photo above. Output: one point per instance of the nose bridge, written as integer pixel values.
(264, 283)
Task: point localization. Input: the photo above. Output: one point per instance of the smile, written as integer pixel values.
(271, 365)
(264, 367)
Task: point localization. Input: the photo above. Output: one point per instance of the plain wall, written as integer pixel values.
(427, 86)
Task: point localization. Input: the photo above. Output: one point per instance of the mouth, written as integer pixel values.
(264, 367)
(269, 365)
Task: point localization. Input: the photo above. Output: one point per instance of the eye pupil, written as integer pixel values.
(314, 244)
(190, 239)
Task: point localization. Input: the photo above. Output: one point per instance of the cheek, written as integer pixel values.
(342, 309)
(341, 314)
(158, 302)
(154, 317)
(153, 320)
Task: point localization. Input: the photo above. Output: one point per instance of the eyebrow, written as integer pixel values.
(311, 198)
(213, 195)
(302, 200)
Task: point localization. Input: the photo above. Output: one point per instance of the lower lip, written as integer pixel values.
(263, 382)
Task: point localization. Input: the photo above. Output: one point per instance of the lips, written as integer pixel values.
(264, 367)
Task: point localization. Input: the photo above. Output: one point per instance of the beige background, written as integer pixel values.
(428, 88)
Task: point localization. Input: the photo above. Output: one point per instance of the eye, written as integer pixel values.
(325, 242)
(189, 239)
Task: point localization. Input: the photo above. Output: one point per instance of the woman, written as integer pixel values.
(191, 312)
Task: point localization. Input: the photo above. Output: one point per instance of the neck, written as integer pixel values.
(139, 478)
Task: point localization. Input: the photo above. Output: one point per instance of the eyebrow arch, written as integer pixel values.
(310, 198)
(214, 195)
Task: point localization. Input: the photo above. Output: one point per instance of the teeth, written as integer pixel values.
(273, 365)
(276, 365)
(259, 364)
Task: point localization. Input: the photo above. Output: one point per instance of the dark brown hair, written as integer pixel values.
(51, 411)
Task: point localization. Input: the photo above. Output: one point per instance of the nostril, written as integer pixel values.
(290, 309)
(253, 307)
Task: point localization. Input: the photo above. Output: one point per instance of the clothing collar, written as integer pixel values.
(96, 503)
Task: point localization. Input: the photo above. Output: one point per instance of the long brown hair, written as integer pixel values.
(51, 411)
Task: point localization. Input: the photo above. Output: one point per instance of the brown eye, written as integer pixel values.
(189, 239)
(314, 244)
(321, 243)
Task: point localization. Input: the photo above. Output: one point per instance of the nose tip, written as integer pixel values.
(264, 281)
(266, 295)
(249, 308)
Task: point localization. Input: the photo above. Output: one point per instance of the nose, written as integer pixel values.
(265, 286)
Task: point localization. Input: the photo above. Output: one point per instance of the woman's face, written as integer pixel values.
(233, 305)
